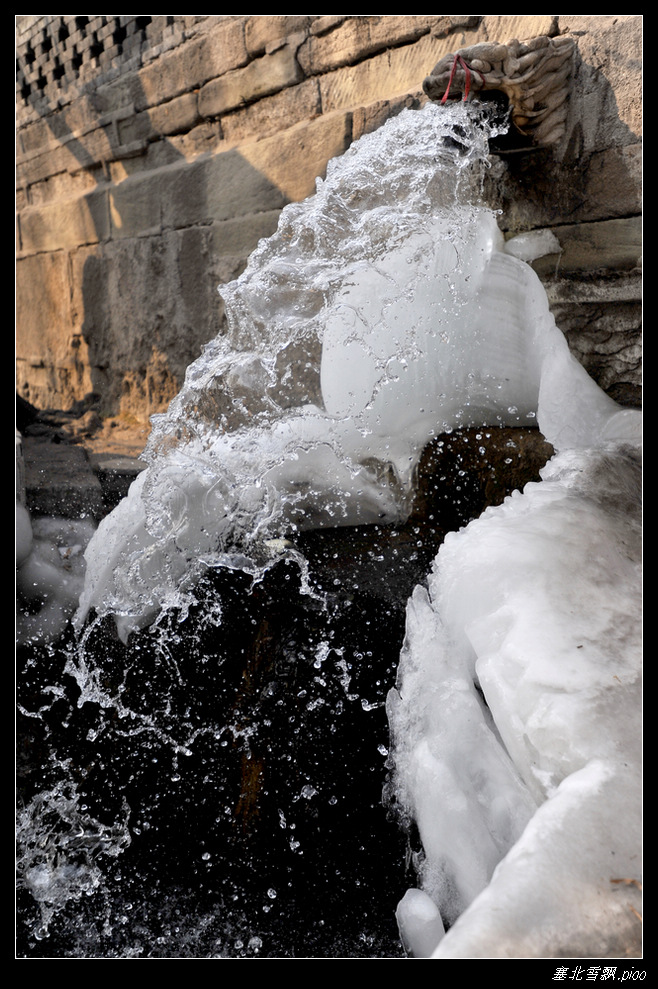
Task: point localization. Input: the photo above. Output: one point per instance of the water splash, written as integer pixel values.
(382, 312)
(62, 851)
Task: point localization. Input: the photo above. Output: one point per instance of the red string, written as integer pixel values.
(459, 60)
(452, 76)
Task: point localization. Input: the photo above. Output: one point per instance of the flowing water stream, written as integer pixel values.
(204, 753)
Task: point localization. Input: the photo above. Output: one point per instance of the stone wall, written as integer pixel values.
(153, 152)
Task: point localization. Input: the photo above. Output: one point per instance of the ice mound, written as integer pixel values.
(49, 573)
(516, 718)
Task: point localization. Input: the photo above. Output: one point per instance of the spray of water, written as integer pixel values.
(383, 312)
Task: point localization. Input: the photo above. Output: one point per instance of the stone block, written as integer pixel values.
(215, 188)
(389, 30)
(341, 44)
(273, 114)
(596, 290)
(34, 137)
(136, 206)
(165, 78)
(146, 306)
(124, 91)
(536, 190)
(64, 224)
(71, 153)
(107, 56)
(62, 186)
(179, 114)
(190, 66)
(263, 31)
(43, 313)
(366, 119)
(612, 184)
(360, 36)
(614, 245)
(324, 23)
(506, 27)
(105, 32)
(606, 338)
(611, 45)
(157, 26)
(259, 78)
(384, 76)
(136, 127)
(294, 160)
(91, 311)
(455, 24)
(204, 138)
(239, 237)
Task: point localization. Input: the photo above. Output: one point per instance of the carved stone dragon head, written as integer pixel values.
(532, 75)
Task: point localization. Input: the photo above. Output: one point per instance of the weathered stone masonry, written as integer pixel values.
(154, 151)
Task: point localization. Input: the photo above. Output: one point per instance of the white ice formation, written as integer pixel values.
(49, 573)
(517, 718)
(384, 311)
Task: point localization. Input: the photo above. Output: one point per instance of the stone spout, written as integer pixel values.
(533, 76)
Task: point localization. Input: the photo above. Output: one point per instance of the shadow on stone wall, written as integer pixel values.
(122, 303)
(144, 278)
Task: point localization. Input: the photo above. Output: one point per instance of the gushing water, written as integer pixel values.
(371, 321)
(384, 312)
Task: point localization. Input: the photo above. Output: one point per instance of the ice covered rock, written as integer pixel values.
(517, 718)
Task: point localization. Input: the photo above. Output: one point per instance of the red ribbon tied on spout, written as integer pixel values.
(458, 60)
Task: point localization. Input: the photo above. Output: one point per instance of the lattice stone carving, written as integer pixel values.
(533, 75)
